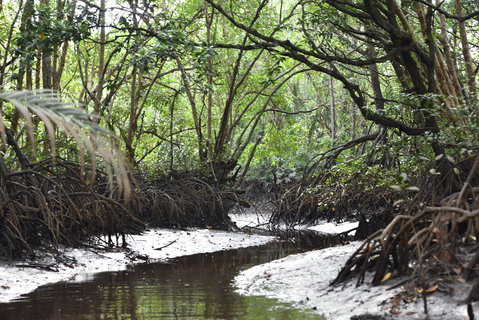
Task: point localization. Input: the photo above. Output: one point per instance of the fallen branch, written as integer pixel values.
(167, 245)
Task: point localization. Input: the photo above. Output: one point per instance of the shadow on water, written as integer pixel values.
(191, 287)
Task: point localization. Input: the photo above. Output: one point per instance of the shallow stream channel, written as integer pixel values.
(191, 287)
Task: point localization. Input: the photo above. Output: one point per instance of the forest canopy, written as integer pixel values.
(206, 86)
(261, 85)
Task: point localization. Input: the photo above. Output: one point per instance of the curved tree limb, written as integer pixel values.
(304, 56)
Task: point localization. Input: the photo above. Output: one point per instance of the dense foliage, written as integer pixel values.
(255, 89)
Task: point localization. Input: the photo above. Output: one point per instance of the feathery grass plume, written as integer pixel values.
(56, 113)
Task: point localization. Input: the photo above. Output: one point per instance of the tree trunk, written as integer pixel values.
(97, 106)
(353, 123)
(38, 70)
(46, 55)
(133, 121)
(209, 121)
(466, 52)
(451, 67)
(332, 107)
(194, 110)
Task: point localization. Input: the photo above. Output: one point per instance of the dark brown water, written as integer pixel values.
(191, 287)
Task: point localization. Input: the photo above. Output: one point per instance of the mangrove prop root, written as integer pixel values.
(423, 244)
(49, 204)
(183, 202)
(323, 198)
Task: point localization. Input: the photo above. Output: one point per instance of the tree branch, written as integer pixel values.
(447, 14)
(302, 55)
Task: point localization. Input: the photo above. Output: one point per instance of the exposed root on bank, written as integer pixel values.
(55, 203)
(438, 241)
(182, 202)
(322, 199)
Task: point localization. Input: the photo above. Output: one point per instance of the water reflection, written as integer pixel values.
(192, 287)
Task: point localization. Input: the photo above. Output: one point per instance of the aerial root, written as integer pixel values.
(184, 202)
(424, 245)
(56, 203)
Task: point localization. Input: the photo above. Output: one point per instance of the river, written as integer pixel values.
(190, 287)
